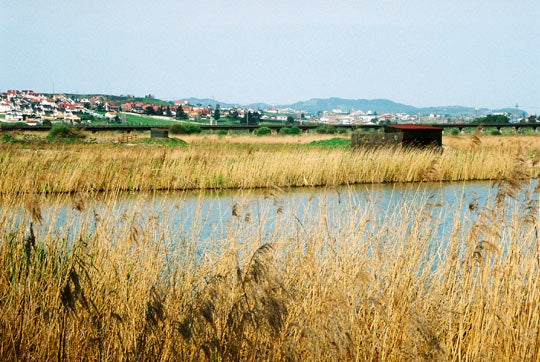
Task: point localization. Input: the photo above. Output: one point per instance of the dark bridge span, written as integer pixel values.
(276, 127)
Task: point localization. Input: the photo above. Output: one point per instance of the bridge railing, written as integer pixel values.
(275, 127)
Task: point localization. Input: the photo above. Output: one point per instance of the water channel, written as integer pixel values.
(213, 217)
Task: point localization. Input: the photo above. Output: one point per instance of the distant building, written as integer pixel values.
(400, 136)
(5, 107)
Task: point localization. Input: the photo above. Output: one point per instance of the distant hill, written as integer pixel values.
(202, 101)
(328, 104)
(213, 103)
(259, 106)
(316, 105)
(117, 99)
(387, 106)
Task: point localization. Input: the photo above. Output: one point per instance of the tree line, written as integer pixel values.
(503, 119)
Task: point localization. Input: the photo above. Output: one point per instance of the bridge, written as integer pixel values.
(275, 127)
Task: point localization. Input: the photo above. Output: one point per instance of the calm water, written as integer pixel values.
(210, 217)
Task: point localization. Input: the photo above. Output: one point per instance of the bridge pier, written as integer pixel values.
(305, 128)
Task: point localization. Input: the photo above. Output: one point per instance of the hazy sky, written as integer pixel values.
(419, 52)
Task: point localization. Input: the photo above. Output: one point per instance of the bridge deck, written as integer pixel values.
(276, 127)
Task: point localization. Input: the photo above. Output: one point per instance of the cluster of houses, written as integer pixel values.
(27, 106)
(193, 111)
(353, 117)
(35, 108)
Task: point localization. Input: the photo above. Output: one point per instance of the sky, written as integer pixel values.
(475, 53)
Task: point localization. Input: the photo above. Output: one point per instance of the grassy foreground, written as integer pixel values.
(212, 162)
(377, 287)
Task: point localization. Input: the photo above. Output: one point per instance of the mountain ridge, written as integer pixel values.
(379, 105)
(316, 105)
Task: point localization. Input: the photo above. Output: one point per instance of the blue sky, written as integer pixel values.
(418, 52)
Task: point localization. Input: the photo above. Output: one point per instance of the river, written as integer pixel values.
(213, 217)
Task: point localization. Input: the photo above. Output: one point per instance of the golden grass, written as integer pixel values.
(119, 285)
(511, 144)
(372, 287)
(211, 162)
(249, 139)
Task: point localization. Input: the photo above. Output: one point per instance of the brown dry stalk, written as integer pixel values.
(123, 287)
(214, 164)
(373, 289)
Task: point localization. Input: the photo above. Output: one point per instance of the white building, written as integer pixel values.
(14, 116)
(5, 107)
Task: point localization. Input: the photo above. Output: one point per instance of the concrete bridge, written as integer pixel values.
(275, 127)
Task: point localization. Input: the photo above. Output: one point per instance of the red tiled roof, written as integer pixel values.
(415, 127)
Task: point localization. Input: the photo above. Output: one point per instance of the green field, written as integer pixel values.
(134, 120)
(138, 120)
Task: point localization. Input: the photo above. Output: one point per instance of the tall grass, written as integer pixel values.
(119, 286)
(212, 163)
(351, 282)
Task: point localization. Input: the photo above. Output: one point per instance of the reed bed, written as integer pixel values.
(111, 280)
(346, 283)
(513, 143)
(208, 163)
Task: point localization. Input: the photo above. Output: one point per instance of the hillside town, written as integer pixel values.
(32, 108)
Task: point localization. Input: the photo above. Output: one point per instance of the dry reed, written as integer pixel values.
(116, 282)
(366, 286)
(211, 163)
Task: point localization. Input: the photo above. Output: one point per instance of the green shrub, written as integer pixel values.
(495, 133)
(326, 129)
(87, 117)
(222, 132)
(62, 131)
(342, 130)
(7, 138)
(185, 128)
(332, 143)
(171, 142)
(454, 132)
(59, 131)
(290, 130)
(262, 131)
